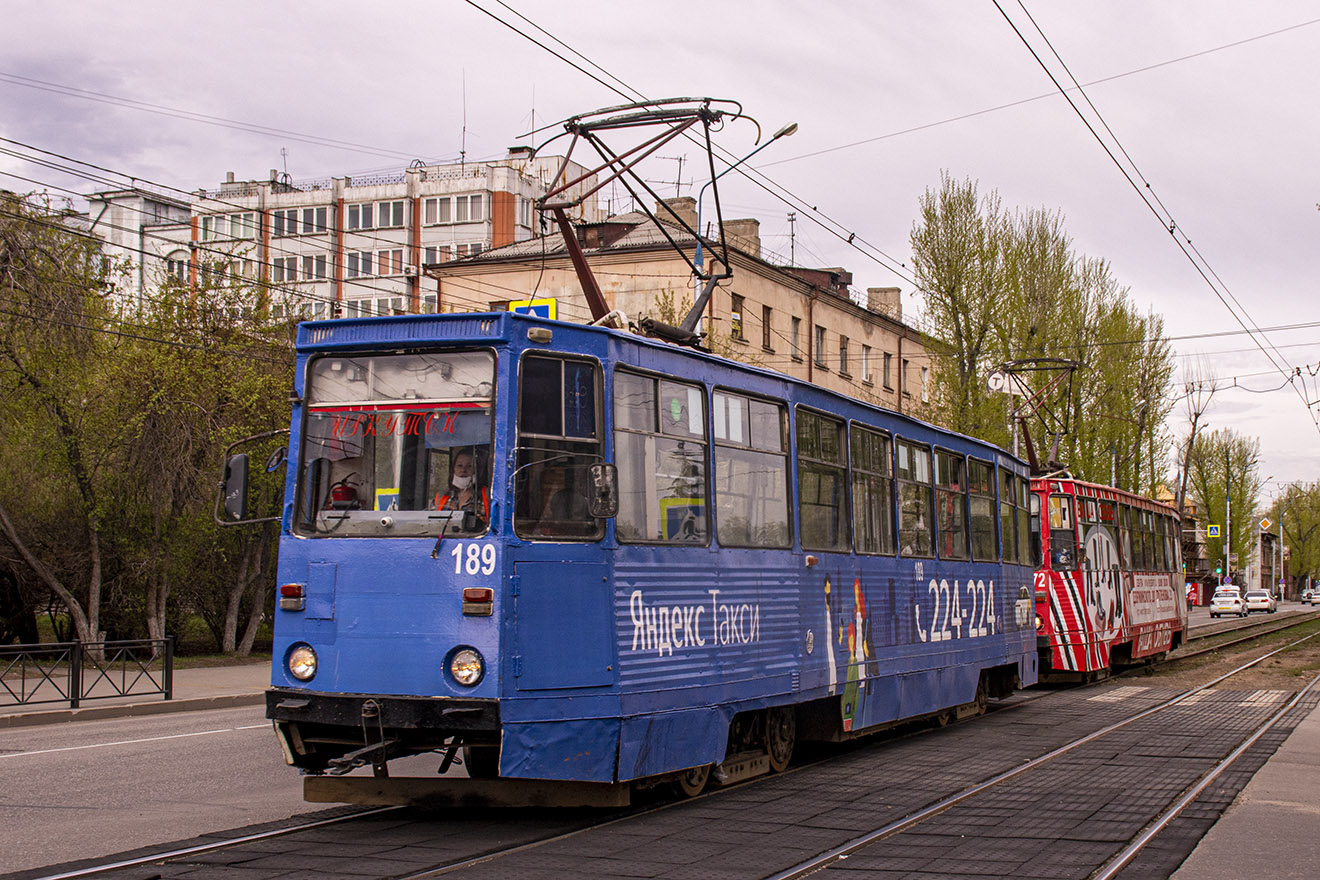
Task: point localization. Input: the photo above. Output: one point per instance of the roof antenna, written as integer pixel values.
(462, 144)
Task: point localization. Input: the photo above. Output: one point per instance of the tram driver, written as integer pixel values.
(465, 490)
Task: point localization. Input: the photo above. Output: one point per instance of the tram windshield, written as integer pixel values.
(397, 445)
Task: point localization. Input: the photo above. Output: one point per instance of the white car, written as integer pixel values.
(1315, 597)
(1227, 602)
(1261, 600)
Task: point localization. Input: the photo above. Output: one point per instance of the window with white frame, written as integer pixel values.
(925, 384)
(389, 262)
(889, 371)
(284, 222)
(468, 209)
(213, 226)
(389, 215)
(284, 269)
(524, 212)
(439, 254)
(242, 225)
(843, 355)
(429, 303)
(866, 364)
(313, 220)
(819, 354)
(794, 339)
(359, 264)
(313, 267)
(389, 305)
(362, 216)
(436, 211)
(176, 266)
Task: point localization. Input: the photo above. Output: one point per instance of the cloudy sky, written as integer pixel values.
(1213, 104)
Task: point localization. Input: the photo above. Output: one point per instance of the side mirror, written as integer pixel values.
(604, 501)
(235, 486)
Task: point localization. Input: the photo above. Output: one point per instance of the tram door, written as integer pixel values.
(563, 634)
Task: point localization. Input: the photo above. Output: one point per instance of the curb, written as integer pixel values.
(93, 713)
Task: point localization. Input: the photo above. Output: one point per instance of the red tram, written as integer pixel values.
(1108, 578)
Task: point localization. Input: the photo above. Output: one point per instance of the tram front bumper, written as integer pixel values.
(314, 728)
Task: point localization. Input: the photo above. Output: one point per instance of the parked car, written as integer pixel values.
(1306, 595)
(1261, 600)
(1315, 597)
(1227, 602)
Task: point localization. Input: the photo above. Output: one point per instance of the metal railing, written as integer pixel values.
(71, 672)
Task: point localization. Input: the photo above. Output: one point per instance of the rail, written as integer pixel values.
(71, 672)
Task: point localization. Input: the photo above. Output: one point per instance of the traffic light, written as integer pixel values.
(1219, 569)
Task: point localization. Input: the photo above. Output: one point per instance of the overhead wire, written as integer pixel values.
(1152, 202)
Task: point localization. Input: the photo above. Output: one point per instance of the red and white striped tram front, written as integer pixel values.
(1108, 578)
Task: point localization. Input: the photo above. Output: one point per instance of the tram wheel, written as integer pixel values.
(780, 736)
(692, 781)
(481, 762)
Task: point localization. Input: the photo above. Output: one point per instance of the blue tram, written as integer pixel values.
(562, 552)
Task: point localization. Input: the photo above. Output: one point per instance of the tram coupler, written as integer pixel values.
(375, 754)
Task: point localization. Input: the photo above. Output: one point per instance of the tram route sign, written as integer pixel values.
(1212, 531)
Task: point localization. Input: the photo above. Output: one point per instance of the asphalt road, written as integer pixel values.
(92, 788)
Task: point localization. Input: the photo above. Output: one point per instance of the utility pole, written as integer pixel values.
(792, 238)
(1228, 515)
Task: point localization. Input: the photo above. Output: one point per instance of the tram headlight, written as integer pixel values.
(302, 662)
(467, 667)
(1040, 623)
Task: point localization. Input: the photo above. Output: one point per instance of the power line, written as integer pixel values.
(1152, 201)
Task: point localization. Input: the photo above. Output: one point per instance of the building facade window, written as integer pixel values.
(524, 212)
(314, 220)
(843, 355)
(468, 209)
(736, 317)
(359, 264)
(242, 225)
(794, 339)
(866, 365)
(284, 269)
(176, 266)
(213, 227)
(888, 372)
(313, 267)
(767, 314)
(925, 384)
(389, 262)
(819, 353)
(284, 222)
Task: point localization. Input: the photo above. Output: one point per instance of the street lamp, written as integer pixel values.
(787, 130)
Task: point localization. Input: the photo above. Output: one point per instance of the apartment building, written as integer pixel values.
(800, 321)
(340, 247)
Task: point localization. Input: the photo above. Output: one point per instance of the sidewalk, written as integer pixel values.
(202, 687)
(1270, 830)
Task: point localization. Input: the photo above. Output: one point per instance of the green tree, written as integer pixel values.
(1297, 511)
(1001, 288)
(1224, 472)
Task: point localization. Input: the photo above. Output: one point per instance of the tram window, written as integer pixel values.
(660, 451)
(1022, 501)
(751, 472)
(822, 487)
(872, 490)
(1125, 536)
(1037, 556)
(981, 509)
(951, 504)
(915, 523)
(379, 434)
(1007, 500)
(1063, 533)
(558, 427)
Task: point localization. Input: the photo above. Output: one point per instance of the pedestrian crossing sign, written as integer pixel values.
(1212, 531)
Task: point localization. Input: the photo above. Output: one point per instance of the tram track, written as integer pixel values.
(1113, 866)
(583, 834)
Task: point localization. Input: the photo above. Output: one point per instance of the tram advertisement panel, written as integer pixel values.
(1153, 599)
